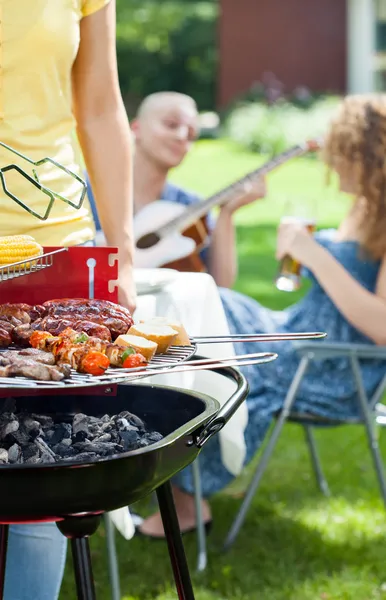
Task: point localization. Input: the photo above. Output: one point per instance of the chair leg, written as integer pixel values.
(202, 558)
(316, 465)
(266, 455)
(369, 425)
(112, 558)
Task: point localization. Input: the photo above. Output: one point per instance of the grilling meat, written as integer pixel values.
(19, 311)
(101, 312)
(23, 366)
(63, 333)
(6, 329)
(32, 353)
(55, 326)
(21, 334)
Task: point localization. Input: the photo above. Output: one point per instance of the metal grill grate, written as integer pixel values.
(26, 267)
(174, 356)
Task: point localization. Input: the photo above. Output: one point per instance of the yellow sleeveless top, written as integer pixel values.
(39, 41)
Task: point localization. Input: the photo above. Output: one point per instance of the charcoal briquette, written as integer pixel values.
(153, 436)
(14, 454)
(3, 456)
(129, 439)
(45, 421)
(31, 427)
(133, 419)
(59, 432)
(80, 423)
(8, 427)
(83, 457)
(106, 437)
(30, 452)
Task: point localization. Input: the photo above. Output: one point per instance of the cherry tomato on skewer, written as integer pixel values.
(37, 337)
(95, 363)
(134, 360)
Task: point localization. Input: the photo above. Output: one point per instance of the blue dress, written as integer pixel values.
(328, 388)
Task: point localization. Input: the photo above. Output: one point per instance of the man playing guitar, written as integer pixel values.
(165, 128)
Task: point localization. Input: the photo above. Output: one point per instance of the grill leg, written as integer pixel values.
(83, 569)
(78, 530)
(174, 541)
(3, 556)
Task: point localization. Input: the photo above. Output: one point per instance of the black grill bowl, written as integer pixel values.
(50, 492)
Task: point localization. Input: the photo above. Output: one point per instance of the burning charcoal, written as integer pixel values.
(129, 439)
(107, 427)
(153, 436)
(59, 432)
(30, 453)
(3, 456)
(44, 449)
(46, 457)
(46, 422)
(31, 427)
(14, 454)
(80, 427)
(20, 436)
(83, 457)
(102, 449)
(8, 424)
(63, 450)
(106, 437)
(143, 442)
(133, 419)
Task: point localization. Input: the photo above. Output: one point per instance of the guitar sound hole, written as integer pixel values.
(147, 241)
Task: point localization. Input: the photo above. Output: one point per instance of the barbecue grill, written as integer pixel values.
(75, 494)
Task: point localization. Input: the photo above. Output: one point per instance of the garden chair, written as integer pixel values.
(371, 412)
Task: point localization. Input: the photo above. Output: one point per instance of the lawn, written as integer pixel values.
(296, 544)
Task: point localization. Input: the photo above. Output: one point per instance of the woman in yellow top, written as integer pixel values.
(58, 75)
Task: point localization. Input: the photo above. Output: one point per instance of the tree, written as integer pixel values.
(167, 44)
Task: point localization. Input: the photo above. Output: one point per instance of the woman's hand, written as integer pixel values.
(295, 240)
(252, 191)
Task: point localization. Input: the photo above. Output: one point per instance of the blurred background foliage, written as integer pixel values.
(173, 45)
(167, 45)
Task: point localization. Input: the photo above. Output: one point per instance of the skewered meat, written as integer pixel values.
(19, 311)
(5, 338)
(6, 329)
(21, 334)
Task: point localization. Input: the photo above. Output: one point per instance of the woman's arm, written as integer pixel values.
(104, 136)
(223, 264)
(363, 309)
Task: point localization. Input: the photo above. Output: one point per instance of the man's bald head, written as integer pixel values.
(165, 100)
(165, 127)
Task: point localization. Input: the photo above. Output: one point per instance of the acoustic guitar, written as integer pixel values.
(171, 235)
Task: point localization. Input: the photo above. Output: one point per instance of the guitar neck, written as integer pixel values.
(197, 211)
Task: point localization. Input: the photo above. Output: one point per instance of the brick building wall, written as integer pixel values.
(303, 42)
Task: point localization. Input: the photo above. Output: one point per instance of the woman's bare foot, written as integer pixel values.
(186, 513)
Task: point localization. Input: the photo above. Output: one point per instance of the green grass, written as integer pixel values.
(295, 544)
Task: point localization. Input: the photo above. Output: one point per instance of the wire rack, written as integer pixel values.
(173, 357)
(31, 265)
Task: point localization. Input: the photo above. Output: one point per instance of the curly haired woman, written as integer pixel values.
(347, 267)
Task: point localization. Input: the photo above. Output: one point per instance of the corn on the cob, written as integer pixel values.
(14, 248)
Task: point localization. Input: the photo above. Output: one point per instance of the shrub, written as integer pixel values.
(167, 45)
(261, 127)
